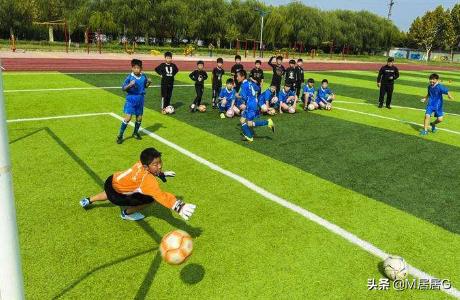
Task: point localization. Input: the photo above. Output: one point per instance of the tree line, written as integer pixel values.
(219, 22)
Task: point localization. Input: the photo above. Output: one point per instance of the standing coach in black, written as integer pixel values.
(385, 81)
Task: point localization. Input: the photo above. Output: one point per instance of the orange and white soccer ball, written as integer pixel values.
(202, 108)
(230, 113)
(176, 247)
(291, 110)
(169, 109)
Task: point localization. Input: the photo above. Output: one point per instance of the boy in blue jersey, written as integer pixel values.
(268, 100)
(134, 85)
(227, 98)
(287, 99)
(435, 103)
(324, 96)
(248, 92)
(308, 93)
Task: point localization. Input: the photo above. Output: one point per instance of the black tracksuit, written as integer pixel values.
(258, 76)
(387, 76)
(291, 77)
(199, 76)
(300, 80)
(278, 72)
(234, 70)
(217, 74)
(167, 73)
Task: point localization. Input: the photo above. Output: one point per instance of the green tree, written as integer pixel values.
(424, 31)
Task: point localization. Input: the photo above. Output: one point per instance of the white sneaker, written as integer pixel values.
(135, 216)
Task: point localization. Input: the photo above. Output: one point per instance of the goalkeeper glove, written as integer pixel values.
(185, 210)
(163, 175)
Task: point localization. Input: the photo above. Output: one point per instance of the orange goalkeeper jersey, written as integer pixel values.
(138, 180)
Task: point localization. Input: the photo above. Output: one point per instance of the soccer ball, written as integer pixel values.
(395, 267)
(169, 109)
(271, 111)
(291, 110)
(230, 113)
(176, 247)
(202, 108)
(328, 106)
(311, 106)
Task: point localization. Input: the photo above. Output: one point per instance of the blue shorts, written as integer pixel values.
(239, 102)
(225, 107)
(134, 105)
(436, 110)
(250, 115)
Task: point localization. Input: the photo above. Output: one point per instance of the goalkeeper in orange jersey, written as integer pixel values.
(137, 188)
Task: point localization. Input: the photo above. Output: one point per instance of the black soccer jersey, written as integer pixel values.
(278, 72)
(257, 75)
(167, 72)
(199, 76)
(236, 68)
(291, 75)
(217, 74)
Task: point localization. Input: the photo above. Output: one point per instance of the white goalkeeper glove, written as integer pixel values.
(185, 210)
(169, 174)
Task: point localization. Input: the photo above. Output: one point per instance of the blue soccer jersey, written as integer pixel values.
(248, 93)
(266, 96)
(323, 94)
(435, 101)
(310, 91)
(135, 95)
(229, 95)
(283, 95)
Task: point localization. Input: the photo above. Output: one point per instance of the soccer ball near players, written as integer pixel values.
(176, 247)
(169, 109)
(395, 267)
(230, 113)
(291, 110)
(311, 106)
(202, 108)
(328, 106)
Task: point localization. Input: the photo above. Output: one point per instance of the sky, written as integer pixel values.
(404, 11)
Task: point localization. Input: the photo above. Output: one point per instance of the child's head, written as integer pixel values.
(390, 61)
(310, 82)
(292, 63)
(279, 59)
(200, 65)
(230, 82)
(273, 88)
(136, 66)
(220, 62)
(324, 83)
(168, 57)
(258, 63)
(151, 160)
(241, 75)
(300, 62)
(434, 78)
(237, 59)
(287, 87)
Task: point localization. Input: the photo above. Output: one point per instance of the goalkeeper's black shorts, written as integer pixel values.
(120, 199)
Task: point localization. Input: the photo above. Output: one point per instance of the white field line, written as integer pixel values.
(392, 119)
(293, 207)
(85, 88)
(404, 107)
(57, 117)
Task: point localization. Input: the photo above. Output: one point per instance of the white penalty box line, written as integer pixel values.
(350, 237)
(86, 88)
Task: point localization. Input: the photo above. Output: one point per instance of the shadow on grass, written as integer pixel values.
(192, 274)
(101, 267)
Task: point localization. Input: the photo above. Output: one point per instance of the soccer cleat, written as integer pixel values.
(433, 127)
(85, 202)
(137, 136)
(119, 139)
(249, 139)
(388, 106)
(423, 132)
(222, 115)
(193, 108)
(380, 105)
(135, 216)
(271, 125)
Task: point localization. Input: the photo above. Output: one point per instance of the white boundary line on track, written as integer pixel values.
(87, 88)
(392, 119)
(370, 248)
(404, 107)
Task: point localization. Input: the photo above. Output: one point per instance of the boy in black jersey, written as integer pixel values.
(291, 75)
(237, 67)
(199, 76)
(257, 75)
(217, 74)
(300, 77)
(167, 71)
(278, 72)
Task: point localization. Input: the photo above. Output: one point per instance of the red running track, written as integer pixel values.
(120, 65)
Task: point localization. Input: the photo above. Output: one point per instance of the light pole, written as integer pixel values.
(262, 14)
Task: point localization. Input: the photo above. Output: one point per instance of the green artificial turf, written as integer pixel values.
(373, 177)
